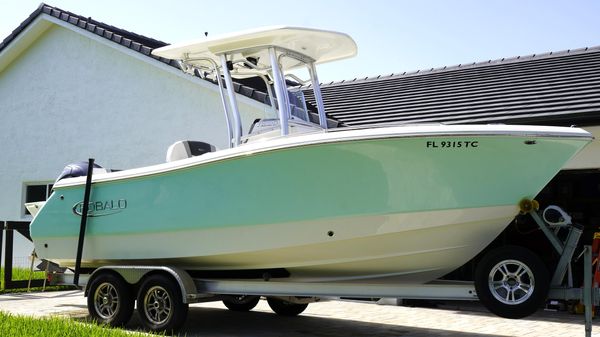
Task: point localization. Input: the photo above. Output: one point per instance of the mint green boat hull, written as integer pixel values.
(406, 207)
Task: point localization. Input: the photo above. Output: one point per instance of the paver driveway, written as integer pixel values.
(330, 319)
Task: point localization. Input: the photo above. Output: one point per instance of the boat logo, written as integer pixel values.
(101, 208)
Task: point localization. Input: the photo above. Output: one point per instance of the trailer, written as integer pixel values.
(163, 293)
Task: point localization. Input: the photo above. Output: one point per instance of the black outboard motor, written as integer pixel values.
(76, 170)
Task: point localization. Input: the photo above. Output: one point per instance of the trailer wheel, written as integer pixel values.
(110, 300)
(241, 302)
(511, 282)
(160, 304)
(285, 308)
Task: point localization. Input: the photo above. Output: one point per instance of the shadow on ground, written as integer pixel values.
(477, 309)
(217, 322)
(222, 322)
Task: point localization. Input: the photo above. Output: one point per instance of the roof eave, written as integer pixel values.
(25, 38)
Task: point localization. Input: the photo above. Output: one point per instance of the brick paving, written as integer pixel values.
(329, 319)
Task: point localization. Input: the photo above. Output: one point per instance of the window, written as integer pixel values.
(36, 192)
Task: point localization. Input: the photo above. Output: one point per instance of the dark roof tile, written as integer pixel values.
(261, 97)
(145, 50)
(560, 88)
(246, 91)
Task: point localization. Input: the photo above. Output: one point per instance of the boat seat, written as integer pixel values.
(188, 148)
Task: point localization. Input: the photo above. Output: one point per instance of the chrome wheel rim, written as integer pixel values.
(511, 282)
(106, 301)
(158, 305)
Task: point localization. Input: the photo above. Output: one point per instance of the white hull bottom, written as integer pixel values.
(405, 248)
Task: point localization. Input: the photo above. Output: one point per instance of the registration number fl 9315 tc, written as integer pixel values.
(453, 144)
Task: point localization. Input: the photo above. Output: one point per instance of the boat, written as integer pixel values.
(296, 197)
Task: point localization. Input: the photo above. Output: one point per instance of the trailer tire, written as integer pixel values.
(511, 281)
(110, 300)
(160, 304)
(285, 308)
(241, 303)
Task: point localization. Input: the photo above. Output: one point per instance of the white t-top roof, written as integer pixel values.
(320, 45)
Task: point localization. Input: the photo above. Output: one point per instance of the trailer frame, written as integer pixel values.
(195, 290)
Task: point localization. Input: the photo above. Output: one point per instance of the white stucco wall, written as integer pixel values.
(71, 96)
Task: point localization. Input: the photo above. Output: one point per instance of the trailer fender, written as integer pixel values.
(133, 274)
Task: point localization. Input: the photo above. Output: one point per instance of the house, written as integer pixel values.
(72, 88)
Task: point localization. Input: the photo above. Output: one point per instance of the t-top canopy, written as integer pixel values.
(319, 45)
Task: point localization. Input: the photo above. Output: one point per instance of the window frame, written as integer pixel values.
(26, 185)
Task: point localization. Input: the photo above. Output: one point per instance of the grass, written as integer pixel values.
(19, 274)
(11, 325)
(22, 274)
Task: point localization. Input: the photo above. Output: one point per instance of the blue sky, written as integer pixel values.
(392, 36)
